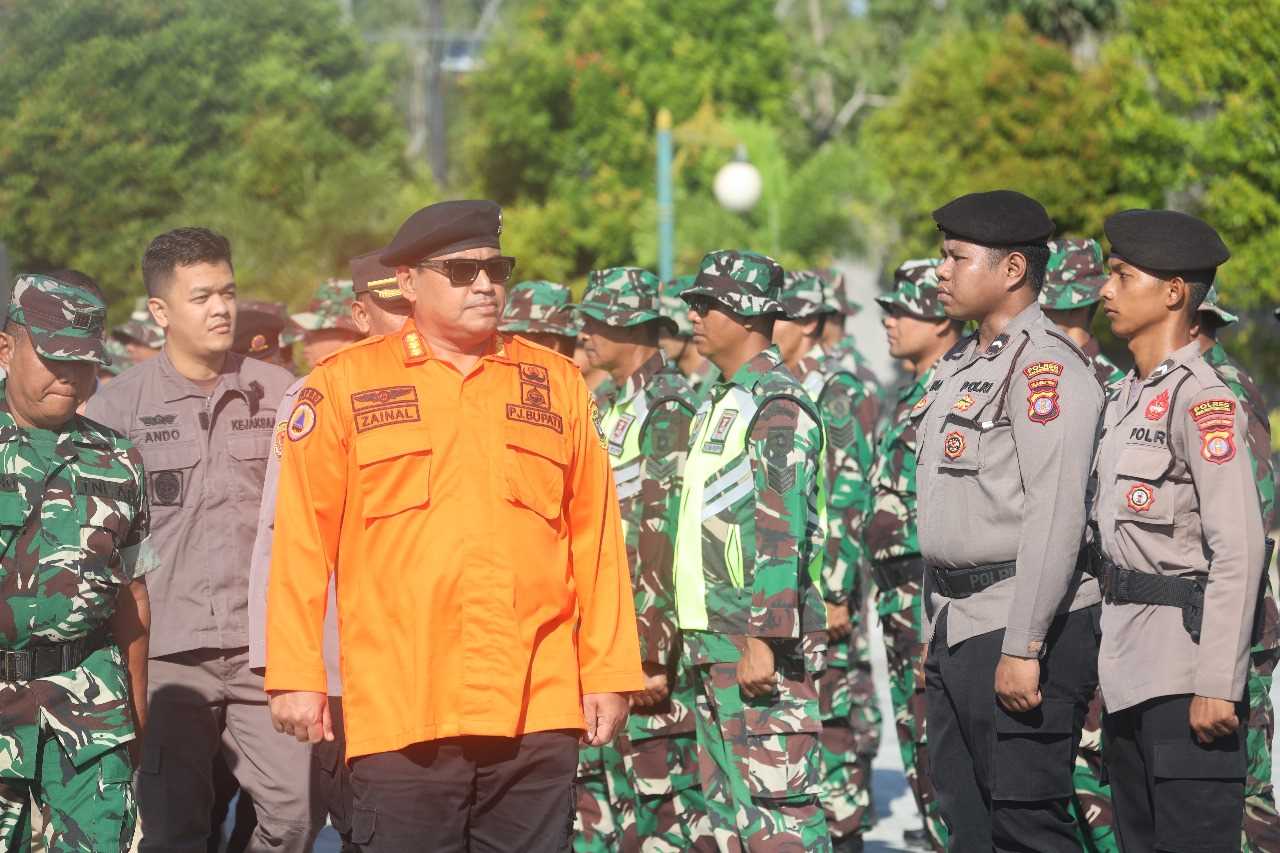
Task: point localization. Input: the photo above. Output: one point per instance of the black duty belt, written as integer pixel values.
(897, 571)
(46, 659)
(962, 583)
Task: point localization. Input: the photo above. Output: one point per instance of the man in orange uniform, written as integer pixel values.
(457, 482)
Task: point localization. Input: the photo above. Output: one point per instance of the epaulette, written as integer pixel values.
(351, 347)
(960, 346)
(776, 385)
(1205, 374)
(1065, 339)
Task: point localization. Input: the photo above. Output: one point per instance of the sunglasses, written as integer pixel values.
(702, 304)
(463, 271)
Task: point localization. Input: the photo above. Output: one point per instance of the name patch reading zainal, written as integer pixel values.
(379, 407)
(536, 417)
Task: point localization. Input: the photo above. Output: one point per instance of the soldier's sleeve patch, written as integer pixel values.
(1042, 391)
(310, 395)
(277, 440)
(778, 444)
(1215, 419)
(302, 420)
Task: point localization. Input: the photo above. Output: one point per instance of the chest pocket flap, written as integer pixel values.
(168, 469)
(250, 447)
(535, 470)
(395, 470)
(13, 513)
(1144, 491)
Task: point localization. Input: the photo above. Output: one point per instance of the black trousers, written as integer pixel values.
(468, 795)
(331, 778)
(1004, 780)
(1168, 790)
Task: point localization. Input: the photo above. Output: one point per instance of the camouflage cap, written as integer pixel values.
(623, 296)
(120, 358)
(1075, 275)
(1210, 306)
(330, 308)
(139, 332)
(539, 307)
(915, 290)
(673, 307)
(838, 293)
(747, 283)
(804, 295)
(65, 322)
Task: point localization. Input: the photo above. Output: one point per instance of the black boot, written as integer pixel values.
(847, 843)
(917, 839)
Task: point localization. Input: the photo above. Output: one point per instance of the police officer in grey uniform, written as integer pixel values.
(1005, 439)
(202, 417)
(1180, 536)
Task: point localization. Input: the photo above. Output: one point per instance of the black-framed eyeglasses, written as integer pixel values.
(700, 304)
(463, 271)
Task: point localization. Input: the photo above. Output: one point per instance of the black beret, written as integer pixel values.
(995, 218)
(1165, 241)
(368, 275)
(439, 229)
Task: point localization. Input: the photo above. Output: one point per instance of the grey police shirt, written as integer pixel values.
(1005, 444)
(205, 455)
(1174, 495)
(260, 568)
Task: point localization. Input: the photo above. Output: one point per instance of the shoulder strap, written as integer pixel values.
(1008, 379)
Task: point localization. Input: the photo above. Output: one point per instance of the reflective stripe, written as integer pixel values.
(727, 480)
(628, 479)
(742, 487)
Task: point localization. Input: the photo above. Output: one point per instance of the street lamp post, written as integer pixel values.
(666, 208)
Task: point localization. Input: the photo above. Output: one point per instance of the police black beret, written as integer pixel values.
(1165, 241)
(368, 275)
(439, 229)
(995, 218)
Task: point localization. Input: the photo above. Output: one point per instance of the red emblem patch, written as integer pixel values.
(1216, 421)
(953, 445)
(1158, 406)
(1141, 497)
(1042, 391)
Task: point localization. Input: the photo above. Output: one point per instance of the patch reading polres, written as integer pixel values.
(380, 407)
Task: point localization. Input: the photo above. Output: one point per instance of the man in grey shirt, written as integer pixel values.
(1005, 440)
(378, 308)
(202, 418)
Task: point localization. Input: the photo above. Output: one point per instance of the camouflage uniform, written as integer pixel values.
(73, 533)
(889, 534)
(539, 308)
(748, 562)
(1074, 279)
(846, 691)
(641, 792)
(1261, 823)
(329, 308)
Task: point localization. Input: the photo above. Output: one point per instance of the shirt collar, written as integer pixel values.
(414, 348)
(1024, 319)
(637, 381)
(1176, 359)
(763, 362)
(175, 386)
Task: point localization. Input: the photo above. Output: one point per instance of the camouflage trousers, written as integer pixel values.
(1261, 833)
(641, 796)
(1091, 804)
(904, 653)
(845, 768)
(88, 809)
(759, 764)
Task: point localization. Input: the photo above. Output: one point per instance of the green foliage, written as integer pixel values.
(267, 121)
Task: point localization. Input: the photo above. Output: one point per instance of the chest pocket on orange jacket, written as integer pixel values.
(395, 470)
(535, 466)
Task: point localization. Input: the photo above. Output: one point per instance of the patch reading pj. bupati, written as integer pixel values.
(1140, 497)
(536, 417)
(1216, 421)
(953, 445)
(1042, 391)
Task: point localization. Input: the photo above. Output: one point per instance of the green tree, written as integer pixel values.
(270, 122)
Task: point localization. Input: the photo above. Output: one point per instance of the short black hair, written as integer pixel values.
(1198, 284)
(1037, 255)
(181, 247)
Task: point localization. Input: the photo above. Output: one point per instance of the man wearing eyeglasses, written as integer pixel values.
(748, 559)
(458, 484)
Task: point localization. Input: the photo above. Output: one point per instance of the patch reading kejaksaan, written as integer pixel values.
(380, 407)
(1042, 391)
(1216, 421)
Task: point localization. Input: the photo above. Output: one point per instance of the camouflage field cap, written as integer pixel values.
(747, 283)
(120, 360)
(915, 290)
(1210, 306)
(623, 296)
(673, 307)
(1075, 275)
(838, 293)
(539, 307)
(804, 295)
(330, 308)
(66, 323)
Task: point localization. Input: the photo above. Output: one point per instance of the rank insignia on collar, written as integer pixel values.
(1140, 497)
(413, 345)
(998, 344)
(1158, 406)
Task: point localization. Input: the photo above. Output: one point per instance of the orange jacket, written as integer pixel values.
(482, 579)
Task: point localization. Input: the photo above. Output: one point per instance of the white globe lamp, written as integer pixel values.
(738, 184)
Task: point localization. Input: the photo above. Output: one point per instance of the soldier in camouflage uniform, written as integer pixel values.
(645, 784)
(326, 324)
(1070, 297)
(678, 345)
(846, 691)
(73, 551)
(748, 565)
(918, 331)
(1261, 823)
(540, 311)
(140, 336)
